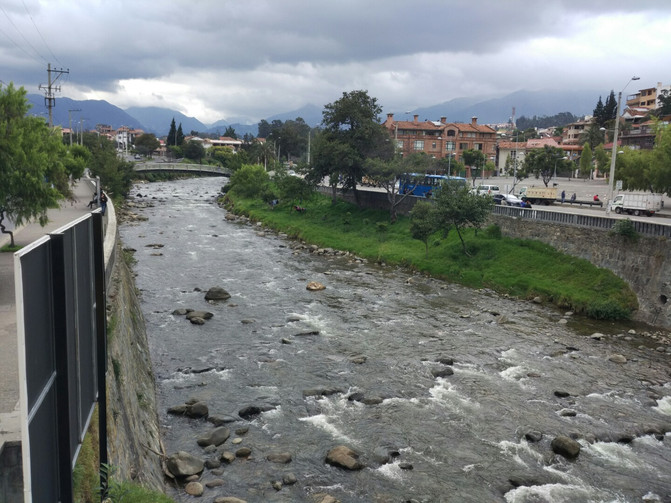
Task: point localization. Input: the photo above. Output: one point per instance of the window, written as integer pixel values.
(399, 144)
(463, 146)
(449, 145)
(433, 145)
(477, 146)
(419, 144)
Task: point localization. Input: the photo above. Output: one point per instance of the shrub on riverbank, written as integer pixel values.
(521, 268)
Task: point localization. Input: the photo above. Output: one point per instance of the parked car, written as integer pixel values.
(499, 199)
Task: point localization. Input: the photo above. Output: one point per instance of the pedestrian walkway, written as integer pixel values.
(9, 378)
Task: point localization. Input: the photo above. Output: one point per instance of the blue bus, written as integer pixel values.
(422, 185)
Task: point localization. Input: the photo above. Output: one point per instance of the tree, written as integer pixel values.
(146, 143)
(294, 188)
(423, 223)
(458, 207)
(249, 181)
(541, 162)
(194, 150)
(179, 136)
(648, 170)
(352, 123)
(585, 168)
(385, 174)
(663, 103)
(33, 177)
(264, 129)
(601, 158)
(116, 175)
(77, 160)
(592, 135)
(331, 156)
(170, 141)
(230, 132)
(610, 108)
(597, 113)
(474, 158)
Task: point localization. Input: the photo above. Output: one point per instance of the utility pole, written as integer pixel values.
(49, 98)
(70, 121)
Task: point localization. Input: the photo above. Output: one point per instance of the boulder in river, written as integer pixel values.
(565, 446)
(217, 293)
(183, 464)
(344, 457)
(315, 286)
(216, 437)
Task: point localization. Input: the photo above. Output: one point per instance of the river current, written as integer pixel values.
(363, 364)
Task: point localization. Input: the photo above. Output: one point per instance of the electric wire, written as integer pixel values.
(22, 36)
(40, 33)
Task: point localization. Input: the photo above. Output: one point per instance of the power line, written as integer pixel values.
(22, 36)
(39, 33)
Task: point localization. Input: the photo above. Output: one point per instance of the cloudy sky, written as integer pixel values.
(249, 59)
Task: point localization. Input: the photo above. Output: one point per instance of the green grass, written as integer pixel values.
(10, 249)
(521, 268)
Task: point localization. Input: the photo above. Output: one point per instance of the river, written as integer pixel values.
(365, 375)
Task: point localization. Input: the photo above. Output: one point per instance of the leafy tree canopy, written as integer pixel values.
(146, 144)
(249, 181)
(546, 121)
(457, 207)
(33, 175)
(541, 162)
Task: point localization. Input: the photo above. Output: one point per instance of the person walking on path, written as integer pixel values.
(103, 202)
(563, 196)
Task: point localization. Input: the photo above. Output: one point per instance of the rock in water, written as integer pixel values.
(217, 293)
(314, 286)
(183, 464)
(344, 457)
(566, 446)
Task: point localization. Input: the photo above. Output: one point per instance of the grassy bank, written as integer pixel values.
(520, 268)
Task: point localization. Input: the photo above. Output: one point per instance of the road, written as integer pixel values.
(585, 190)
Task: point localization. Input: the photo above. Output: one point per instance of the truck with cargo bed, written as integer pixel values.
(539, 195)
(637, 204)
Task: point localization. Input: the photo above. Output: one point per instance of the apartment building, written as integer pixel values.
(439, 139)
(647, 98)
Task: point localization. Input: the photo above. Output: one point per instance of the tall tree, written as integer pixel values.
(33, 177)
(663, 103)
(264, 129)
(352, 122)
(230, 132)
(116, 175)
(172, 134)
(194, 150)
(586, 160)
(598, 114)
(610, 107)
(179, 136)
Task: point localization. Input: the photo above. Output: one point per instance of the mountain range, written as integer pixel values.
(489, 110)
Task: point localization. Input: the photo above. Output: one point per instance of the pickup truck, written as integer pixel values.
(539, 195)
(637, 204)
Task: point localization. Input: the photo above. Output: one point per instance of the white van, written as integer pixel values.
(491, 190)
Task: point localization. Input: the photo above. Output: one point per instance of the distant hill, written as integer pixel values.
(157, 120)
(92, 112)
(527, 103)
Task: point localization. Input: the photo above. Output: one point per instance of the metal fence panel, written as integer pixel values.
(58, 325)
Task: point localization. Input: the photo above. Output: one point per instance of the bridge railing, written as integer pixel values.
(575, 219)
(176, 166)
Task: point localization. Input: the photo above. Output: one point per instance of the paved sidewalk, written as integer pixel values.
(9, 379)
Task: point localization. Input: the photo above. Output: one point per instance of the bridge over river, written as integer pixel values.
(177, 167)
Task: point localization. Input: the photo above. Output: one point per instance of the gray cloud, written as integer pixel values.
(265, 54)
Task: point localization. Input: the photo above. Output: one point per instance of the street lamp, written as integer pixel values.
(611, 178)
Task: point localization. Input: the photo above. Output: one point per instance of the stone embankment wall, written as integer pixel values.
(134, 441)
(645, 265)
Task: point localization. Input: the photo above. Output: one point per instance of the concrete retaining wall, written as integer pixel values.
(645, 265)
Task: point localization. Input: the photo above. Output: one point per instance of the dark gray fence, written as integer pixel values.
(60, 311)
